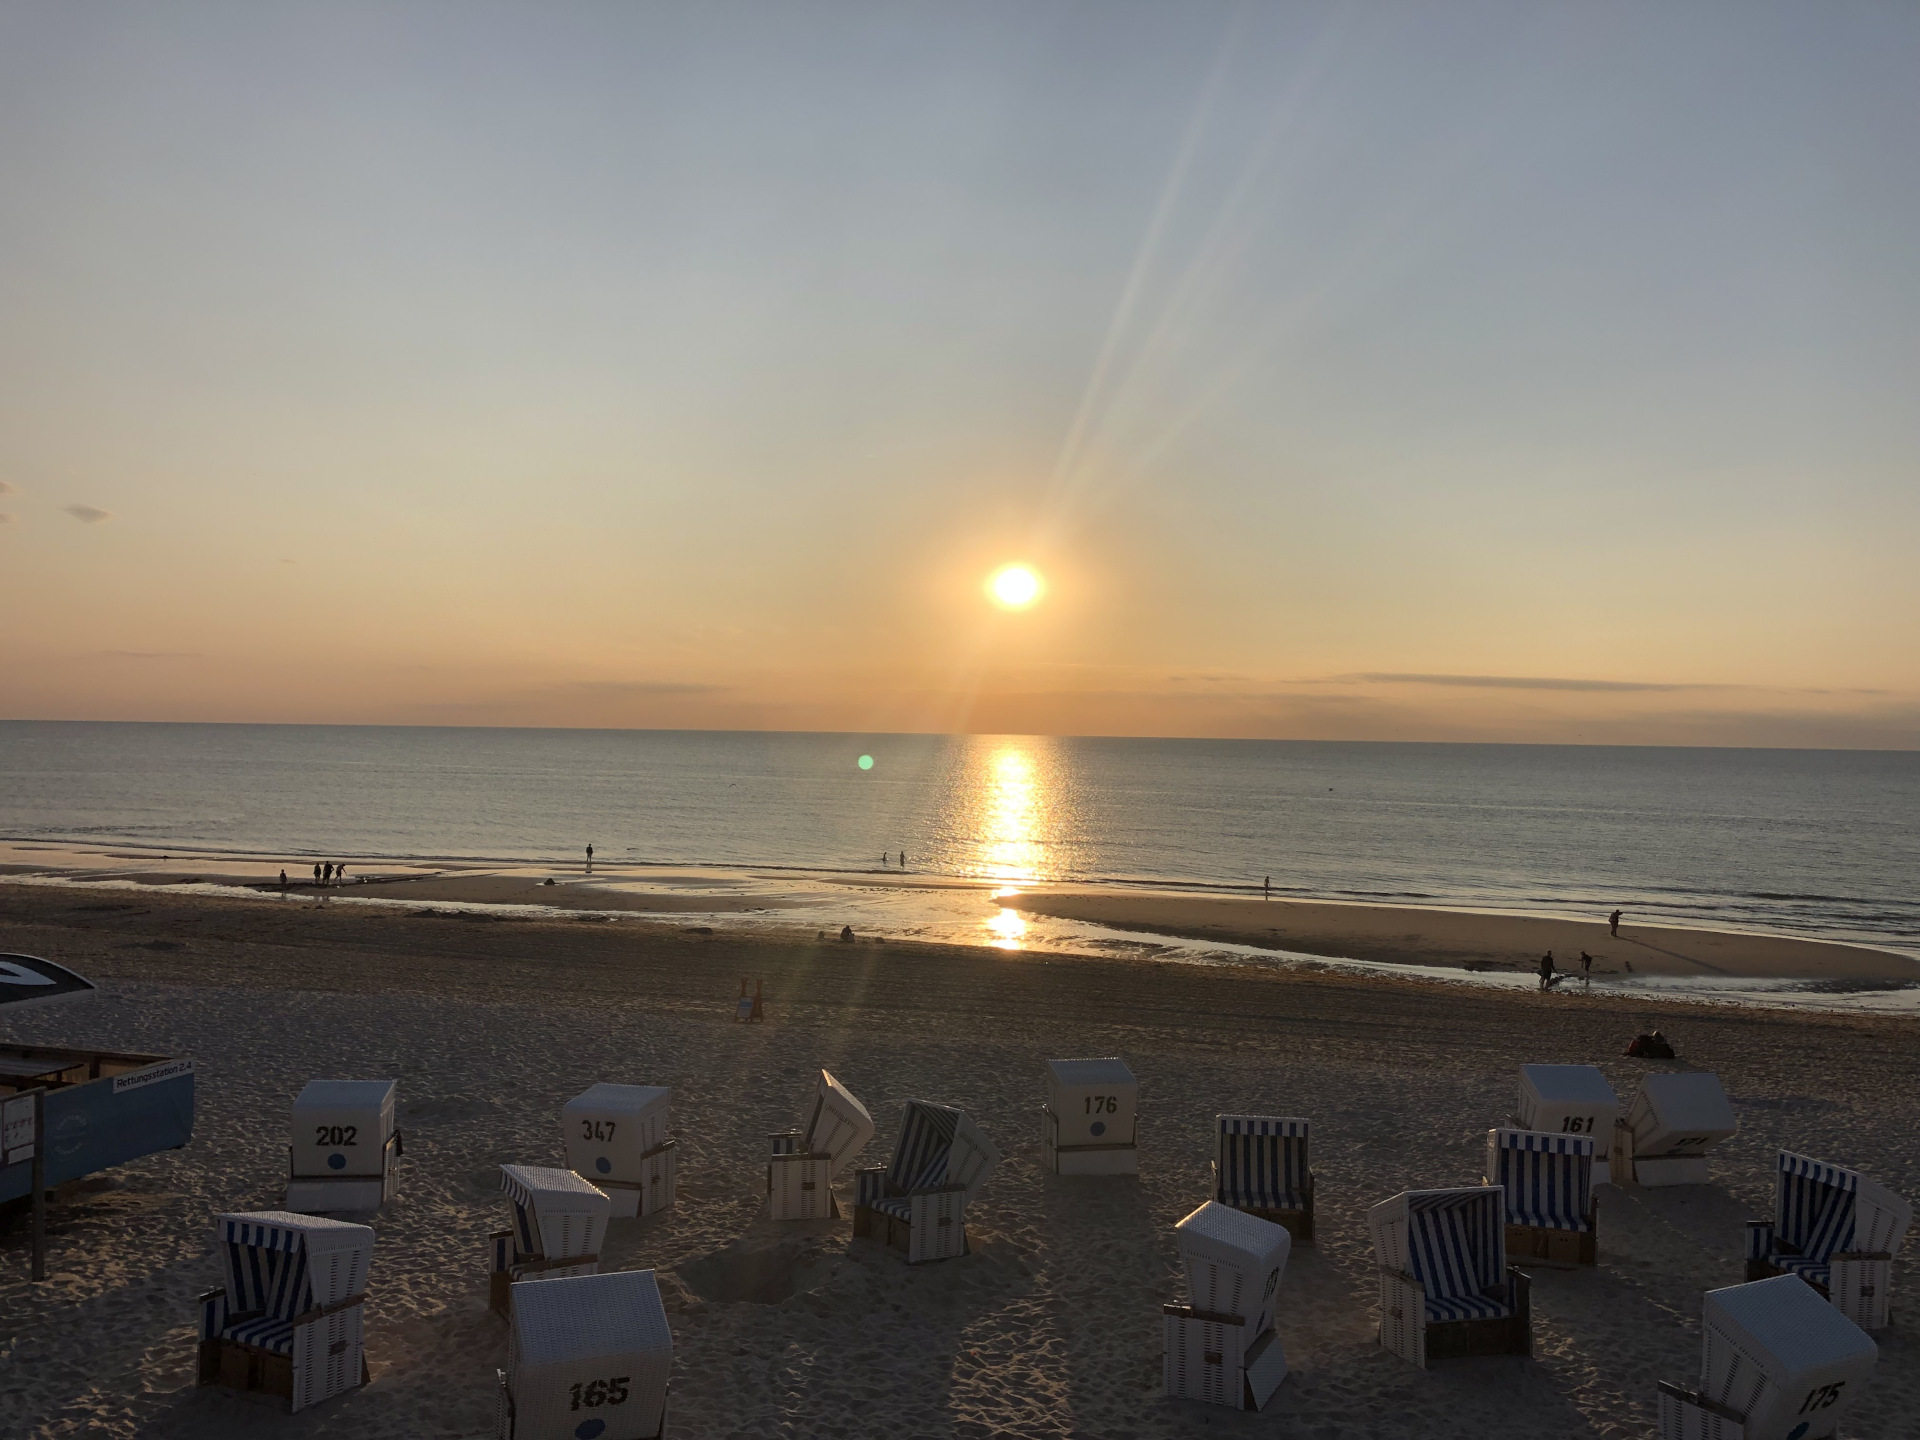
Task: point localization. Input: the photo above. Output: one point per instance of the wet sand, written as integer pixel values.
(1051, 1327)
(1463, 939)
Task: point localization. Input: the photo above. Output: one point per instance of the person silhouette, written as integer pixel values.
(340, 872)
(1613, 923)
(1546, 970)
(903, 859)
(283, 879)
(316, 872)
(1267, 889)
(1586, 967)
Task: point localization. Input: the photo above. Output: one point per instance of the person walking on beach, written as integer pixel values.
(283, 879)
(340, 873)
(1586, 967)
(316, 872)
(327, 878)
(1267, 889)
(1546, 971)
(1613, 924)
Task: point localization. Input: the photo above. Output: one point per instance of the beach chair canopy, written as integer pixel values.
(1567, 1099)
(1824, 1210)
(939, 1145)
(1453, 1242)
(555, 1212)
(838, 1125)
(280, 1265)
(607, 1330)
(1770, 1344)
(1684, 1113)
(1234, 1262)
(1263, 1162)
(1548, 1178)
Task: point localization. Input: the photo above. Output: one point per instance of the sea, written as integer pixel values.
(1817, 843)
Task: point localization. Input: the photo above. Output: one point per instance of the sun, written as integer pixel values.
(1014, 587)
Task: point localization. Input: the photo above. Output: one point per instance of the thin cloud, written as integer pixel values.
(5, 488)
(1518, 682)
(150, 654)
(6, 519)
(88, 514)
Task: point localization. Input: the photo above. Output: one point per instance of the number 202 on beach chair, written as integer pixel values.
(1260, 1166)
(919, 1203)
(1837, 1230)
(1445, 1288)
(289, 1321)
(588, 1358)
(559, 1222)
(1220, 1347)
(1776, 1363)
(617, 1140)
(1552, 1217)
(344, 1147)
(1089, 1120)
(800, 1174)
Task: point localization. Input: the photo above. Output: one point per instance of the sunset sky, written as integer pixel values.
(1371, 371)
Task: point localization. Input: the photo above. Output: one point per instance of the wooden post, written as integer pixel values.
(39, 1184)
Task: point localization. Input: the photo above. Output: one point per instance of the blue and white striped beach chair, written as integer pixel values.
(289, 1320)
(559, 1222)
(1445, 1287)
(918, 1203)
(1551, 1214)
(1837, 1230)
(1260, 1166)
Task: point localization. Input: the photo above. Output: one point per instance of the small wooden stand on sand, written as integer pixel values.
(748, 1007)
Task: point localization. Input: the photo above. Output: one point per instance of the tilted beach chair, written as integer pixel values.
(1777, 1363)
(1837, 1230)
(1260, 1166)
(559, 1223)
(1446, 1290)
(588, 1356)
(1220, 1346)
(1552, 1217)
(289, 1320)
(1672, 1122)
(1571, 1100)
(919, 1203)
(1088, 1123)
(800, 1174)
(345, 1147)
(617, 1140)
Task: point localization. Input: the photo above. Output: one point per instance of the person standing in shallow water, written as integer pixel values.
(1586, 967)
(326, 877)
(316, 872)
(1546, 971)
(589, 857)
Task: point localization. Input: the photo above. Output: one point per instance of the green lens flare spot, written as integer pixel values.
(866, 762)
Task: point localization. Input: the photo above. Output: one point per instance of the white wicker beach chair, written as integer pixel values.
(289, 1319)
(345, 1147)
(1445, 1287)
(588, 1358)
(919, 1203)
(617, 1140)
(1260, 1166)
(559, 1223)
(1672, 1122)
(1552, 1217)
(800, 1174)
(1837, 1230)
(1220, 1347)
(1088, 1122)
(1570, 1100)
(1777, 1363)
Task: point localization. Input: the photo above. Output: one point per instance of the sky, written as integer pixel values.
(1426, 371)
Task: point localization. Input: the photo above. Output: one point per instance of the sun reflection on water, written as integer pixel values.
(1011, 814)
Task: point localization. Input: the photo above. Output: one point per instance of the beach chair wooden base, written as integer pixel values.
(1556, 1249)
(1688, 1415)
(346, 1194)
(236, 1366)
(943, 1237)
(1298, 1223)
(1207, 1357)
(1405, 1330)
(799, 1187)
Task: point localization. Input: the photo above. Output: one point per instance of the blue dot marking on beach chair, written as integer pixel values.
(603, 1165)
(1099, 1127)
(1799, 1430)
(336, 1161)
(587, 1429)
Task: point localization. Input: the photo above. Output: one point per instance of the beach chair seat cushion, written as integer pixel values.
(1814, 1272)
(898, 1206)
(263, 1332)
(1441, 1308)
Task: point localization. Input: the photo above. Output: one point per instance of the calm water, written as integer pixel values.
(1822, 843)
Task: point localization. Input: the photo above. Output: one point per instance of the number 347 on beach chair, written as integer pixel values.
(919, 1203)
(1445, 1288)
(1260, 1167)
(289, 1321)
(1837, 1230)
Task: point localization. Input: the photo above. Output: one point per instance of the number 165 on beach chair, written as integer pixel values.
(588, 1358)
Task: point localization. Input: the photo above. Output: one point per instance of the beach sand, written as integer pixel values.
(1462, 938)
(1051, 1327)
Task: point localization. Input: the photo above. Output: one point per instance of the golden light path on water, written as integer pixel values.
(1012, 804)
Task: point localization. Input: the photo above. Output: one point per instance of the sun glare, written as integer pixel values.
(1014, 587)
